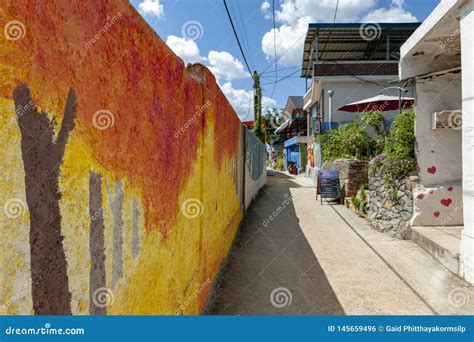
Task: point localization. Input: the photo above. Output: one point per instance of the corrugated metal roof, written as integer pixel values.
(354, 41)
(294, 103)
(297, 101)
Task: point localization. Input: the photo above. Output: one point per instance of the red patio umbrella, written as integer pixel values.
(382, 103)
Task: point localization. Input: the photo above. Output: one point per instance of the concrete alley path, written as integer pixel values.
(324, 260)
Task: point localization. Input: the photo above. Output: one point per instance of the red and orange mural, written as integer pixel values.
(121, 168)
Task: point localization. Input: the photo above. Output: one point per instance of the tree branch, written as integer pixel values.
(67, 124)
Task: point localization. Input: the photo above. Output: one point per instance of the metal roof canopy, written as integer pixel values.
(354, 42)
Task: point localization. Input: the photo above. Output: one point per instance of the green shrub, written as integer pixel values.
(279, 165)
(398, 157)
(359, 202)
(361, 138)
(355, 202)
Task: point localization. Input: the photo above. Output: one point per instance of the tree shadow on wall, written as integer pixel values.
(42, 157)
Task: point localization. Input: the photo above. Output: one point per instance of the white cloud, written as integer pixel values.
(396, 13)
(242, 101)
(186, 49)
(151, 7)
(289, 42)
(225, 66)
(294, 16)
(265, 7)
(322, 10)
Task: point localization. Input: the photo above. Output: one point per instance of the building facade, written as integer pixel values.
(294, 131)
(344, 63)
(442, 72)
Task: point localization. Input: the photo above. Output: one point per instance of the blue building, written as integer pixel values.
(295, 131)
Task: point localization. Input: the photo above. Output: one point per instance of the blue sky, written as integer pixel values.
(199, 30)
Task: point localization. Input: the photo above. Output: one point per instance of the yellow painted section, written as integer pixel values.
(15, 292)
(171, 275)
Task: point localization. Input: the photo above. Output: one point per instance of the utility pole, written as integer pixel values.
(257, 105)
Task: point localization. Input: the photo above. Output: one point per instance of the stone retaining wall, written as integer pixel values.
(390, 210)
(352, 174)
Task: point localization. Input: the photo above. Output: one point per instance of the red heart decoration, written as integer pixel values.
(420, 196)
(432, 170)
(436, 213)
(446, 202)
(450, 188)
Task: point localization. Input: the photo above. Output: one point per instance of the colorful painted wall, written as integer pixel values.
(255, 173)
(121, 169)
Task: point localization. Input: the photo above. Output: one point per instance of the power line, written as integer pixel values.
(281, 79)
(276, 60)
(237, 37)
(330, 32)
(274, 39)
(284, 53)
(335, 13)
(291, 67)
(241, 23)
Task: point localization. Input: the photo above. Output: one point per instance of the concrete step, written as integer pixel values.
(443, 243)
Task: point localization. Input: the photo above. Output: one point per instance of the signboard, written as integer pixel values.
(328, 184)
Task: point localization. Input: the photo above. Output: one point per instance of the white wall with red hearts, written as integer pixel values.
(438, 206)
(437, 200)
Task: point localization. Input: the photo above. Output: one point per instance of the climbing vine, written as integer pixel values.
(257, 126)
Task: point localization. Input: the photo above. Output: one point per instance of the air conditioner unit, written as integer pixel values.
(447, 119)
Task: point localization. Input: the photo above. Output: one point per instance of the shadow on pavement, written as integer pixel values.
(271, 269)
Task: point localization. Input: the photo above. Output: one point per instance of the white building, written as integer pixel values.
(443, 75)
(354, 60)
(351, 61)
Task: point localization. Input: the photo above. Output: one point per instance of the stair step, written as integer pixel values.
(443, 243)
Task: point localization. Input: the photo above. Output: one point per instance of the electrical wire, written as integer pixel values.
(275, 53)
(241, 23)
(237, 37)
(274, 39)
(281, 79)
(291, 67)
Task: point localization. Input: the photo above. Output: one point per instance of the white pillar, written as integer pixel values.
(467, 58)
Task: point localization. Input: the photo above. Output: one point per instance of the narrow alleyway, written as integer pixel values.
(313, 259)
